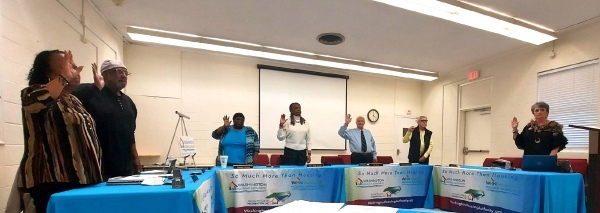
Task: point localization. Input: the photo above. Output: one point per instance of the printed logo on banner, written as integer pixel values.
(408, 180)
(392, 190)
(375, 182)
(458, 182)
(300, 184)
(277, 197)
(247, 187)
(273, 199)
(474, 194)
(504, 186)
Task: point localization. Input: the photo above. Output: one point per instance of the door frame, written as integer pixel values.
(460, 124)
(397, 140)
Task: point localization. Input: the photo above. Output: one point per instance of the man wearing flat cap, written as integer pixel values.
(115, 115)
(240, 143)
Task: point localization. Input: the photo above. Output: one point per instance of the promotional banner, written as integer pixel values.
(256, 190)
(392, 186)
(205, 196)
(186, 145)
(478, 190)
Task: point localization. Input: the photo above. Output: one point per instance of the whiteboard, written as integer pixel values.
(323, 102)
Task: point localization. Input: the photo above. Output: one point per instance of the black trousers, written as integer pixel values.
(356, 158)
(293, 157)
(41, 193)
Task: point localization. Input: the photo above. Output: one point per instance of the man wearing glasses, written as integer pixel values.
(420, 142)
(115, 115)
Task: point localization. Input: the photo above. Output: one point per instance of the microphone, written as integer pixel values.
(184, 161)
(182, 115)
(194, 160)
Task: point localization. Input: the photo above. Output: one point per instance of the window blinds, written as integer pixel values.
(572, 93)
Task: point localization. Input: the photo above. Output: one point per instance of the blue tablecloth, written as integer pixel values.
(129, 198)
(473, 187)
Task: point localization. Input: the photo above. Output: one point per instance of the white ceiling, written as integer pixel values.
(374, 32)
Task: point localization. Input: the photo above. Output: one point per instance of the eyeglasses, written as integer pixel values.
(423, 120)
(122, 72)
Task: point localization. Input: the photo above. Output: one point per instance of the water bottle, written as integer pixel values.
(507, 165)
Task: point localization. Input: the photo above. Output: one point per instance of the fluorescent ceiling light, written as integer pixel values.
(273, 56)
(164, 31)
(506, 15)
(459, 15)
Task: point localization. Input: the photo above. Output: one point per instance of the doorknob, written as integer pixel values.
(397, 151)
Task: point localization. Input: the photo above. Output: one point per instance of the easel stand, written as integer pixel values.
(183, 132)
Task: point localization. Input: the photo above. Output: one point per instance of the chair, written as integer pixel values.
(385, 159)
(332, 160)
(263, 159)
(275, 159)
(514, 161)
(489, 161)
(346, 159)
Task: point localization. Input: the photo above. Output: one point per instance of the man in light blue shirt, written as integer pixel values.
(362, 144)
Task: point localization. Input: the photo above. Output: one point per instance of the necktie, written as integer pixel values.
(363, 141)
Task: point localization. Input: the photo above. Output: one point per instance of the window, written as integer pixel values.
(572, 93)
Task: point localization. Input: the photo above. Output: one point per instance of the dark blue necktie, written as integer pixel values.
(363, 141)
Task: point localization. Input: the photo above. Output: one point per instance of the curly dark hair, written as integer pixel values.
(38, 74)
(292, 122)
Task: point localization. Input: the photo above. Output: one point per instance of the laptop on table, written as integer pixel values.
(539, 163)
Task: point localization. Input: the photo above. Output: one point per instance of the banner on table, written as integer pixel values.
(468, 190)
(256, 190)
(205, 196)
(393, 186)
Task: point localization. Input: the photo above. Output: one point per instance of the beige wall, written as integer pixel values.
(207, 86)
(28, 27)
(514, 89)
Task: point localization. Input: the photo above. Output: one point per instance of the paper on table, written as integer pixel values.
(153, 181)
(303, 206)
(366, 209)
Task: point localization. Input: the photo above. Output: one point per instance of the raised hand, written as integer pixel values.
(515, 123)
(282, 120)
(226, 121)
(411, 128)
(348, 119)
(98, 79)
(69, 69)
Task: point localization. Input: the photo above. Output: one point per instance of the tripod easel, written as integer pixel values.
(183, 132)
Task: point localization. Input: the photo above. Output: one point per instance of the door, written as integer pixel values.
(477, 136)
(402, 124)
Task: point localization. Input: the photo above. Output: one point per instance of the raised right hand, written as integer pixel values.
(226, 121)
(514, 123)
(69, 69)
(98, 79)
(282, 120)
(348, 119)
(411, 128)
